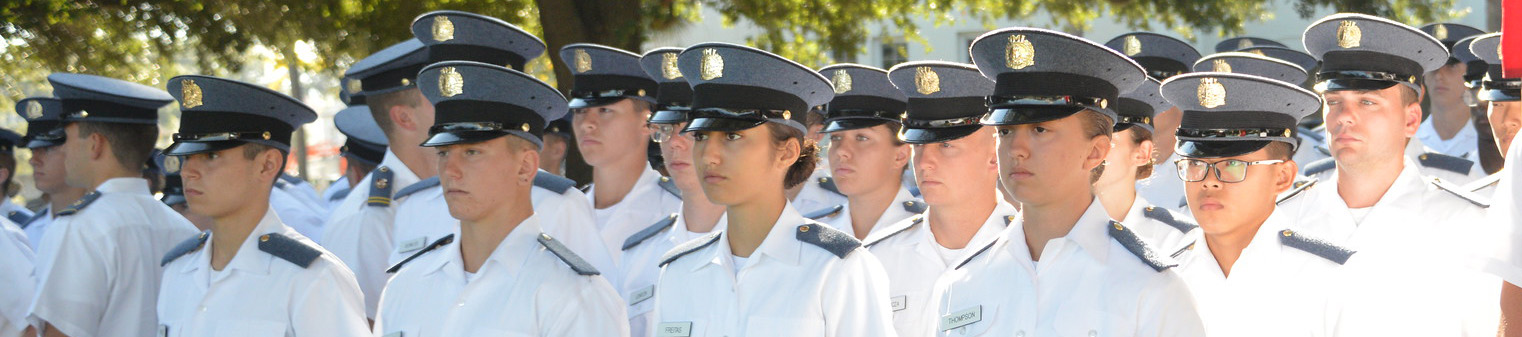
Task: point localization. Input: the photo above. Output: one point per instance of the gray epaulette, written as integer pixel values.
(1299, 188)
(1314, 246)
(185, 248)
(976, 254)
(828, 184)
(38, 215)
(380, 187)
(670, 186)
(1169, 218)
(1319, 166)
(832, 240)
(554, 183)
(898, 228)
(649, 232)
(1457, 191)
(17, 216)
(1481, 184)
(444, 241)
(825, 213)
(1312, 134)
(1445, 162)
(290, 179)
(915, 206)
(416, 187)
(570, 258)
(79, 205)
(288, 249)
(340, 195)
(689, 247)
(1134, 244)
(1323, 149)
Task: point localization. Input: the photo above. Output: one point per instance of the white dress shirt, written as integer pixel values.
(1411, 242)
(813, 196)
(1501, 253)
(16, 277)
(295, 211)
(1087, 283)
(917, 264)
(787, 287)
(336, 192)
(98, 269)
(1462, 145)
(1164, 188)
(641, 269)
(523, 289)
(258, 293)
(360, 234)
(1163, 228)
(1274, 289)
(37, 226)
(645, 204)
(901, 208)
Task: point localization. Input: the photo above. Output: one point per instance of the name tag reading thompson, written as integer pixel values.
(962, 318)
(674, 329)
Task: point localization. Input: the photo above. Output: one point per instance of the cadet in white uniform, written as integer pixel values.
(1447, 129)
(96, 268)
(364, 148)
(17, 278)
(770, 272)
(698, 215)
(1499, 254)
(251, 274)
(1252, 274)
(610, 102)
(487, 140)
(1162, 57)
(1377, 201)
(866, 157)
(44, 134)
(1503, 107)
(1049, 275)
(9, 140)
(955, 164)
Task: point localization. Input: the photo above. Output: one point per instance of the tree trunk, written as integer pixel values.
(299, 138)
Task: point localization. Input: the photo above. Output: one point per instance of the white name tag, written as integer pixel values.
(674, 329)
(899, 302)
(394, 334)
(412, 245)
(962, 318)
(163, 330)
(642, 295)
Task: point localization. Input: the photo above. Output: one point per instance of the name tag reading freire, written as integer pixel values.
(962, 318)
(674, 329)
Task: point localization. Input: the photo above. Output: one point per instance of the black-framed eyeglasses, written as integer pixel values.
(660, 133)
(1227, 171)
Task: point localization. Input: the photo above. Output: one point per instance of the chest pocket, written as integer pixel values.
(250, 328)
(1089, 323)
(773, 326)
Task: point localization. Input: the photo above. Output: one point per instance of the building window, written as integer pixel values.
(894, 53)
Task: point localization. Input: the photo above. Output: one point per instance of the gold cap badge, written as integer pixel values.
(583, 61)
(669, 69)
(926, 81)
(1211, 93)
(1244, 43)
(1348, 34)
(450, 82)
(842, 81)
(443, 29)
(191, 94)
(1019, 53)
(1133, 45)
(354, 86)
(712, 65)
(171, 164)
(1440, 32)
(1220, 66)
(33, 110)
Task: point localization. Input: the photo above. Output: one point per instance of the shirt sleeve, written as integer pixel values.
(362, 241)
(331, 304)
(858, 304)
(17, 277)
(1167, 309)
(594, 309)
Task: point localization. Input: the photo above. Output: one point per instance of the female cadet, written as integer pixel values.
(866, 157)
(1130, 160)
(771, 272)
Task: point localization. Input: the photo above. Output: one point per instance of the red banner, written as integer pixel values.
(1511, 38)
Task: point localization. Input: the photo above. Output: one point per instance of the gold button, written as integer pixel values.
(822, 180)
(804, 228)
(1150, 208)
(909, 203)
(1422, 157)
(266, 135)
(524, 127)
(263, 238)
(544, 236)
(1287, 232)
(641, 92)
(1118, 226)
(665, 179)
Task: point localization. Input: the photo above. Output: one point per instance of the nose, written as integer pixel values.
(583, 120)
(449, 168)
(190, 167)
(706, 153)
(923, 158)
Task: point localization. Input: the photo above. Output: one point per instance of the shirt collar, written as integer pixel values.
(1408, 182)
(248, 259)
(780, 243)
(510, 254)
(124, 185)
(1091, 234)
(401, 176)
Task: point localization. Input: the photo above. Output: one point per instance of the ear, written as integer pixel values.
(901, 155)
(1099, 148)
(269, 164)
(1413, 121)
(1144, 152)
(1284, 177)
(401, 117)
(528, 166)
(98, 146)
(789, 153)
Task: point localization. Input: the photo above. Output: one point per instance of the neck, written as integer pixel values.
(954, 224)
(750, 222)
(1227, 247)
(229, 231)
(867, 208)
(61, 198)
(1448, 118)
(614, 181)
(1117, 199)
(416, 158)
(107, 172)
(480, 237)
(1053, 219)
(1362, 186)
(700, 214)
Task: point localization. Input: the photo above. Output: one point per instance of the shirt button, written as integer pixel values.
(461, 304)
(1093, 333)
(203, 308)
(1020, 334)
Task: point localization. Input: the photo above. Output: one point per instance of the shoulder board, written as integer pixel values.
(570, 258)
(185, 248)
(444, 241)
(670, 186)
(586, 188)
(1445, 162)
(341, 194)
(1168, 217)
(380, 187)
(281, 184)
(1460, 192)
(1312, 134)
(649, 232)
(1009, 219)
(290, 179)
(915, 206)
(689, 247)
(416, 187)
(1300, 187)
(1487, 181)
(914, 190)
(554, 183)
(288, 249)
(80, 204)
(18, 217)
(1134, 244)
(1319, 166)
(975, 254)
(833, 240)
(825, 213)
(1315, 246)
(34, 218)
(899, 228)
(1323, 149)
(828, 184)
